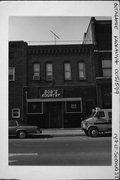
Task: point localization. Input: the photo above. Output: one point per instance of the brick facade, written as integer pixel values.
(57, 102)
(25, 91)
(99, 33)
(18, 59)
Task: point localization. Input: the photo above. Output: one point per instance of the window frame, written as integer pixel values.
(14, 109)
(106, 67)
(28, 112)
(67, 71)
(47, 72)
(70, 112)
(34, 71)
(13, 73)
(82, 70)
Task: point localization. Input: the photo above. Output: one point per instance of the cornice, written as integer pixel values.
(43, 51)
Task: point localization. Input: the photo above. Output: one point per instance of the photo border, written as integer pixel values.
(59, 8)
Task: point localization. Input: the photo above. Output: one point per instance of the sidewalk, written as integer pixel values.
(63, 132)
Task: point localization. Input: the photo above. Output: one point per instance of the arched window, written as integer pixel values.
(49, 71)
(67, 69)
(36, 71)
(81, 70)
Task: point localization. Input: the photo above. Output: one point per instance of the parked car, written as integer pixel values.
(22, 131)
(99, 121)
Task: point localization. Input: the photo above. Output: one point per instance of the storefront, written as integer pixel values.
(52, 110)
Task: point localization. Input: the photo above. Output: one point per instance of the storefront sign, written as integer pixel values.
(51, 93)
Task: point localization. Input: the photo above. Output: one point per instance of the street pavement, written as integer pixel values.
(60, 147)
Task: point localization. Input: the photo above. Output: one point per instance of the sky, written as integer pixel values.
(37, 30)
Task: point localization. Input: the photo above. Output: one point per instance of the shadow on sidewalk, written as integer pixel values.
(40, 136)
(33, 137)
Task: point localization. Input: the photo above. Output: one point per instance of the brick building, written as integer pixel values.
(99, 33)
(17, 78)
(54, 86)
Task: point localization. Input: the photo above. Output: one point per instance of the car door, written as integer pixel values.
(102, 122)
(12, 127)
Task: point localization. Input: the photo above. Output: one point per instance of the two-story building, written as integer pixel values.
(54, 86)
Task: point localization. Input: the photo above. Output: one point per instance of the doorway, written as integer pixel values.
(54, 114)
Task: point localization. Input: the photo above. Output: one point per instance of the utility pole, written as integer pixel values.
(55, 36)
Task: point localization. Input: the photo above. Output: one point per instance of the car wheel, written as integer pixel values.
(21, 134)
(93, 132)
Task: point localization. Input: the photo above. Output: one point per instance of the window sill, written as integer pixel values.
(83, 79)
(107, 77)
(11, 80)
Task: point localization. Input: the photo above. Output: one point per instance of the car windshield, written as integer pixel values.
(100, 114)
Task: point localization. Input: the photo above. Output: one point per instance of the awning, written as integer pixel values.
(54, 99)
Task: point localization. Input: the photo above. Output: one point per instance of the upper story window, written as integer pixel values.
(81, 69)
(36, 71)
(107, 68)
(67, 68)
(49, 72)
(11, 73)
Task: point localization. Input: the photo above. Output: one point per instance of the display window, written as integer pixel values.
(73, 107)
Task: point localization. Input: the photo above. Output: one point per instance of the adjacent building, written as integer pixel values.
(54, 86)
(99, 33)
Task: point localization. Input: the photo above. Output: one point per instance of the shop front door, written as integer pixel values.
(54, 114)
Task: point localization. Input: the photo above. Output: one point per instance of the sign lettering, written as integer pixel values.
(51, 93)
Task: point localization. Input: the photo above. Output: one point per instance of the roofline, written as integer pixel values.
(104, 21)
(51, 45)
(97, 22)
(61, 45)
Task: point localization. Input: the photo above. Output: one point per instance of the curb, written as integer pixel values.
(62, 133)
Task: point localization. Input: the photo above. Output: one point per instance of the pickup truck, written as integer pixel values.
(99, 121)
(22, 131)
